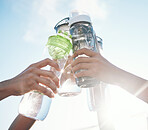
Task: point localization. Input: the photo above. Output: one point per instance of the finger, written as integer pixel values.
(81, 66)
(49, 74)
(47, 82)
(83, 60)
(83, 73)
(69, 61)
(85, 51)
(44, 90)
(46, 62)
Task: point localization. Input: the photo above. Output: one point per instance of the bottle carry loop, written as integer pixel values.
(60, 23)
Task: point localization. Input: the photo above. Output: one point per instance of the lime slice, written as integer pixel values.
(58, 46)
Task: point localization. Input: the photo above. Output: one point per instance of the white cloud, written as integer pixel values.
(44, 16)
(29, 36)
(46, 13)
(96, 8)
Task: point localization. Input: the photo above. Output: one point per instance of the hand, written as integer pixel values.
(33, 78)
(98, 67)
(93, 66)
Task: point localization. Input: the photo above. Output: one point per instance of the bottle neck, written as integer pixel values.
(63, 27)
(81, 22)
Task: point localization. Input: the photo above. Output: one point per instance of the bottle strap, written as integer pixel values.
(60, 22)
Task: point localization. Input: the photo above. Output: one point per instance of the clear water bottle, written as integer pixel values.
(60, 49)
(83, 36)
(35, 105)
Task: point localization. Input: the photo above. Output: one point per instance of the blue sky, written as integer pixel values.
(26, 24)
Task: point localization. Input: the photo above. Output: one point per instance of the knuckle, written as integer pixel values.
(30, 79)
(49, 82)
(54, 89)
(31, 83)
(47, 60)
(32, 69)
(96, 65)
(30, 76)
(44, 90)
(83, 65)
(79, 59)
(51, 73)
(97, 59)
(97, 62)
(96, 54)
(52, 86)
(32, 65)
(78, 66)
(82, 73)
(84, 49)
(93, 69)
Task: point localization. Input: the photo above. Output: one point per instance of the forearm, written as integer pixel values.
(129, 82)
(5, 89)
(22, 123)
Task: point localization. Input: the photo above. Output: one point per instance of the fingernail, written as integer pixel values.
(52, 95)
(55, 91)
(58, 85)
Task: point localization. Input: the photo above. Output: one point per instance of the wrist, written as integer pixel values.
(5, 89)
(142, 88)
(127, 80)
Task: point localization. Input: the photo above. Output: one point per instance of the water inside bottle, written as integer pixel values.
(83, 37)
(35, 105)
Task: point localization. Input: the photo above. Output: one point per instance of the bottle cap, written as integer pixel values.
(79, 16)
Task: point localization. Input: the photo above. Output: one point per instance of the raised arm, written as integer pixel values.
(95, 65)
(22, 123)
(29, 80)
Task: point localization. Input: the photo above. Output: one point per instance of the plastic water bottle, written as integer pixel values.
(60, 49)
(35, 105)
(83, 36)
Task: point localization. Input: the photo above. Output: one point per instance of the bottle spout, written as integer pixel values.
(78, 16)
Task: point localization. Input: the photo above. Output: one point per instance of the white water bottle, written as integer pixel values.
(83, 36)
